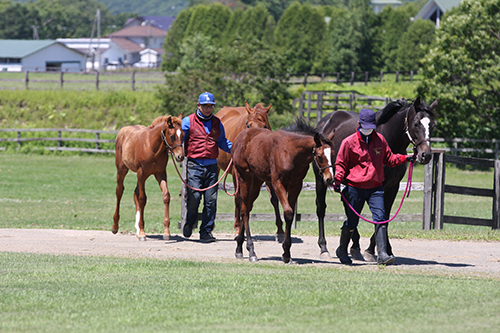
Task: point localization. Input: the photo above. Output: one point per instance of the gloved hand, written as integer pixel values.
(410, 158)
(336, 185)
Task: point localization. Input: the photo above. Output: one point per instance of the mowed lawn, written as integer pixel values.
(46, 293)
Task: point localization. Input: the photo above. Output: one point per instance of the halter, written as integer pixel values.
(317, 164)
(248, 126)
(165, 141)
(407, 131)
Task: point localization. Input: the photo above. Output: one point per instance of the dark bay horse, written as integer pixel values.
(281, 158)
(401, 123)
(235, 120)
(145, 150)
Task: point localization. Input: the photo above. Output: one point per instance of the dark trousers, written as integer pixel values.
(200, 177)
(357, 198)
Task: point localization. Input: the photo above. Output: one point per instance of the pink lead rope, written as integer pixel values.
(406, 194)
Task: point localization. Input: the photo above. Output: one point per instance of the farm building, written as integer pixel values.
(39, 55)
(434, 9)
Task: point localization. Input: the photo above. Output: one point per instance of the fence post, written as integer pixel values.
(427, 205)
(59, 135)
(381, 76)
(322, 77)
(61, 80)
(97, 80)
(19, 138)
(351, 101)
(352, 78)
(366, 78)
(309, 93)
(97, 136)
(439, 204)
(319, 106)
(301, 104)
(133, 80)
(305, 80)
(338, 78)
(26, 79)
(411, 76)
(496, 193)
(397, 76)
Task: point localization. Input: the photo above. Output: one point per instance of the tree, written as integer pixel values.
(299, 36)
(17, 20)
(414, 45)
(174, 38)
(463, 71)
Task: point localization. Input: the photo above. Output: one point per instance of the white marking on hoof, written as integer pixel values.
(325, 255)
(137, 219)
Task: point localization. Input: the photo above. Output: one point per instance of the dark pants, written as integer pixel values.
(200, 177)
(357, 198)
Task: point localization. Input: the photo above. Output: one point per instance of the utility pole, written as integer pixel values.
(98, 17)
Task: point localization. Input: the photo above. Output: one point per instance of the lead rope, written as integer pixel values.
(224, 175)
(406, 194)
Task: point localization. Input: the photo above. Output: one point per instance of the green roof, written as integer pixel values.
(16, 48)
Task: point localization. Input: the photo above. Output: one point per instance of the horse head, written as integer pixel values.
(258, 116)
(419, 124)
(323, 157)
(173, 135)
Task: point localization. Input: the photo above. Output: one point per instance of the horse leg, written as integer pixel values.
(321, 189)
(140, 203)
(162, 181)
(280, 234)
(121, 172)
(240, 236)
(287, 203)
(246, 208)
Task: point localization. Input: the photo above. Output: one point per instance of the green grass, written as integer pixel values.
(45, 293)
(64, 191)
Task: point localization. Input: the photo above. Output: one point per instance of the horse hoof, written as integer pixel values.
(286, 260)
(356, 254)
(114, 231)
(142, 238)
(280, 238)
(252, 258)
(325, 255)
(238, 255)
(166, 237)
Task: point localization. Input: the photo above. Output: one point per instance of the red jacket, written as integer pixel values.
(201, 145)
(363, 164)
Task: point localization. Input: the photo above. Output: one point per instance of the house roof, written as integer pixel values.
(16, 48)
(139, 31)
(431, 5)
(386, 2)
(126, 44)
(161, 22)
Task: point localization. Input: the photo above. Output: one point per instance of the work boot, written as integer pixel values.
(355, 249)
(381, 239)
(341, 252)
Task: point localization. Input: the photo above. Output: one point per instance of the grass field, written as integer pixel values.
(45, 293)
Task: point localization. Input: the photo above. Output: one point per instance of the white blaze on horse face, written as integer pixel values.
(179, 133)
(426, 121)
(328, 154)
(137, 219)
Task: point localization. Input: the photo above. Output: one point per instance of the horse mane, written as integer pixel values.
(161, 120)
(392, 108)
(301, 126)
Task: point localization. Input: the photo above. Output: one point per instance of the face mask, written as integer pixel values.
(366, 132)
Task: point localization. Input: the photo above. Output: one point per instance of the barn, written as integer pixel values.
(39, 55)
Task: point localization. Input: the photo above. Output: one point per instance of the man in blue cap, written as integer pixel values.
(203, 136)
(360, 163)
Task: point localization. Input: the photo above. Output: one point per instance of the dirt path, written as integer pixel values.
(481, 258)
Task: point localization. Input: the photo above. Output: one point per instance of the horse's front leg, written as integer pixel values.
(120, 176)
(321, 189)
(280, 234)
(140, 203)
(162, 181)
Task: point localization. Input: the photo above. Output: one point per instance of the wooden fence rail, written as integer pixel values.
(349, 77)
(435, 188)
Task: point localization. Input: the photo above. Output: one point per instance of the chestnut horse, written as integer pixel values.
(235, 120)
(145, 150)
(401, 123)
(281, 158)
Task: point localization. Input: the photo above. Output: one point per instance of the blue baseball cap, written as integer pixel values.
(206, 98)
(367, 119)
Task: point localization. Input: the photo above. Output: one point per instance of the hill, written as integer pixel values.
(146, 7)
